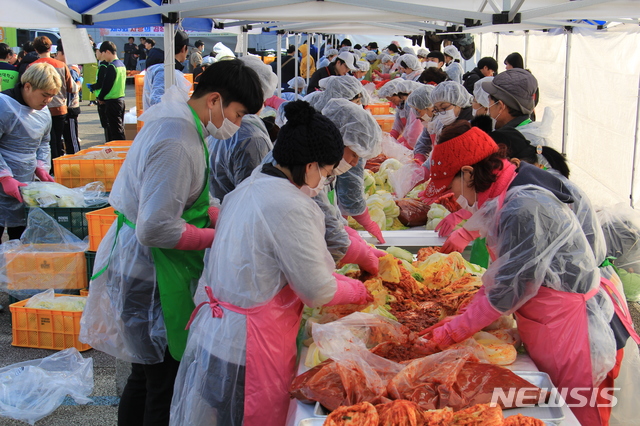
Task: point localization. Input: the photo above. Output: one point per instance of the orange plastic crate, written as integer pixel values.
(45, 328)
(84, 292)
(72, 171)
(385, 122)
(379, 109)
(44, 266)
(99, 223)
(118, 143)
(139, 84)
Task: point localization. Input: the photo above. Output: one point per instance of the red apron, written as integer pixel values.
(271, 351)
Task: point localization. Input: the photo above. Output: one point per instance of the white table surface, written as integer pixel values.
(299, 411)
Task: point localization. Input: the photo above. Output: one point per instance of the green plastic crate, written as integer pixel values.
(71, 218)
(91, 258)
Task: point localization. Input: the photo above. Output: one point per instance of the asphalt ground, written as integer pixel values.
(108, 374)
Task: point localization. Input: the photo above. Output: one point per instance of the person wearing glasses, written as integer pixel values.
(451, 102)
(268, 260)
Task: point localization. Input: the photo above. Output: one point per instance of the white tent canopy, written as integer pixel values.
(589, 79)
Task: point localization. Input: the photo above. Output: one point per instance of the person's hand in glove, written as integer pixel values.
(194, 238)
(274, 102)
(12, 187)
(213, 215)
(419, 158)
(428, 332)
(458, 241)
(394, 134)
(349, 291)
(361, 253)
(43, 175)
(449, 223)
(426, 347)
(369, 225)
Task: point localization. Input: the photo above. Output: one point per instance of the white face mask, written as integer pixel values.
(343, 167)
(494, 121)
(227, 130)
(474, 112)
(426, 120)
(447, 118)
(432, 127)
(312, 192)
(462, 200)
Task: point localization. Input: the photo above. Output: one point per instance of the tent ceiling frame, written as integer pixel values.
(155, 9)
(564, 7)
(65, 10)
(236, 7)
(515, 9)
(101, 6)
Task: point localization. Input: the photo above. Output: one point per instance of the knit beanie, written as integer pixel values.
(307, 137)
(448, 158)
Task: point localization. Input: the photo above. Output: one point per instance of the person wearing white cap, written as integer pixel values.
(298, 85)
(420, 101)
(404, 126)
(363, 69)
(233, 159)
(408, 50)
(451, 102)
(410, 67)
(345, 62)
(452, 59)
(422, 54)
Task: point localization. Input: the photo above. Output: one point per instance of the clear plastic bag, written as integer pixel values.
(33, 389)
(51, 194)
(405, 178)
(48, 300)
(392, 149)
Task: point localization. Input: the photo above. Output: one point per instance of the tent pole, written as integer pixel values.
(497, 46)
(169, 56)
(635, 149)
(318, 49)
(526, 49)
(295, 61)
(245, 43)
(565, 118)
(279, 62)
(309, 39)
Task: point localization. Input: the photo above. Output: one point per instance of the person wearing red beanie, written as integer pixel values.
(543, 269)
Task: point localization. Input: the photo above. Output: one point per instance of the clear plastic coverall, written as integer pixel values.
(232, 160)
(270, 236)
(421, 99)
(161, 178)
(24, 144)
(454, 71)
(154, 85)
(539, 241)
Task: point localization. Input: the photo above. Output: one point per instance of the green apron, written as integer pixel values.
(479, 252)
(178, 271)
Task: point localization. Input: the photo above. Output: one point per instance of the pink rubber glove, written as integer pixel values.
(349, 291)
(194, 238)
(365, 220)
(419, 158)
(43, 175)
(477, 316)
(449, 223)
(458, 241)
(274, 102)
(394, 133)
(213, 215)
(382, 75)
(12, 187)
(361, 253)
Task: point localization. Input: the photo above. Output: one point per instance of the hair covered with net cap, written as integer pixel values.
(307, 137)
(345, 87)
(358, 128)
(421, 97)
(411, 61)
(481, 95)
(391, 88)
(453, 93)
(384, 58)
(268, 80)
(363, 65)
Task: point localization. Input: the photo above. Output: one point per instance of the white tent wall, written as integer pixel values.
(601, 98)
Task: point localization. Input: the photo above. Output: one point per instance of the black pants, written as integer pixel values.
(71, 144)
(57, 130)
(102, 113)
(14, 232)
(146, 399)
(114, 113)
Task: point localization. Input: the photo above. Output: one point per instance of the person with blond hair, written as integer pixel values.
(25, 126)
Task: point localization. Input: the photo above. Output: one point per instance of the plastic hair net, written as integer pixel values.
(421, 97)
(453, 93)
(163, 175)
(297, 83)
(345, 87)
(411, 61)
(538, 241)
(363, 65)
(392, 87)
(384, 58)
(371, 56)
(422, 52)
(479, 93)
(621, 226)
(267, 219)
(268, 79)
(410, 86)
(24, 145)
(358, 128)
(408, 50)
(452, 51)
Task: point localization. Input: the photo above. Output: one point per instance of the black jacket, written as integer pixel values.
(470, 79)
(319, 75)
(26, 61)
(288, 69)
